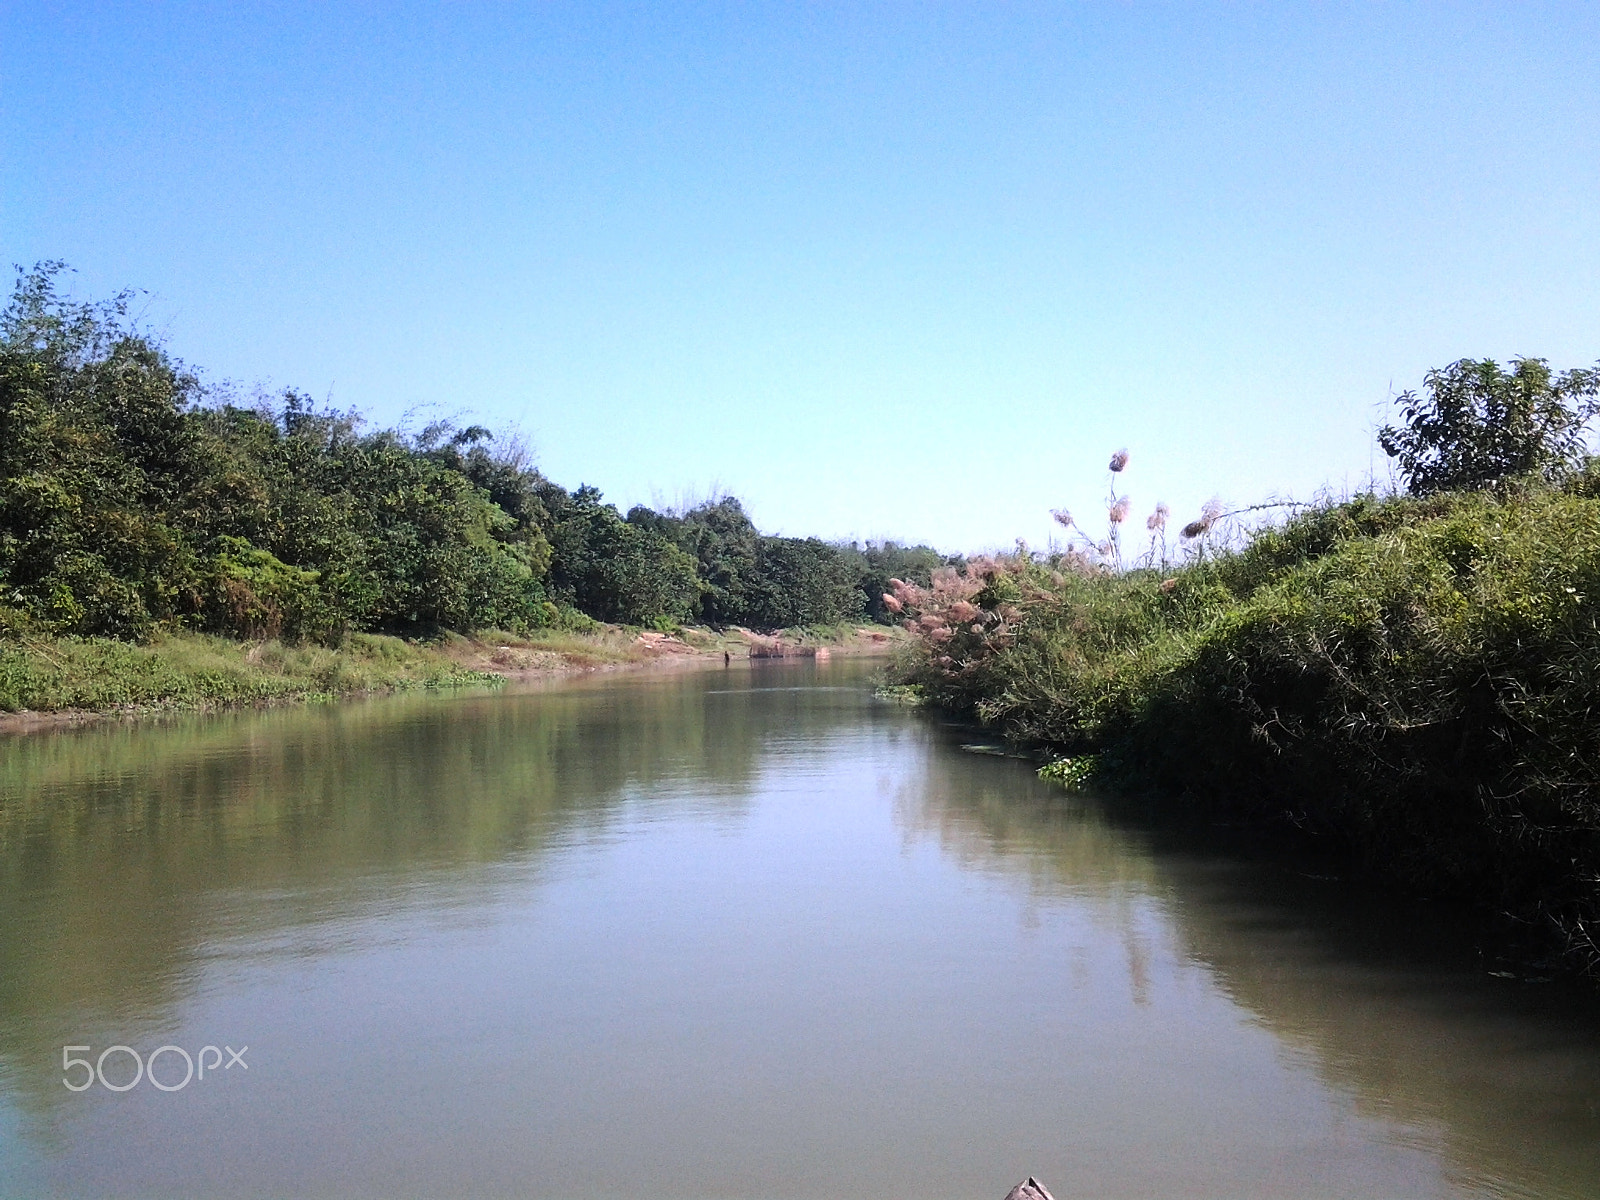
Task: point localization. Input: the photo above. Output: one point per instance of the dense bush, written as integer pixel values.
(1416, 677)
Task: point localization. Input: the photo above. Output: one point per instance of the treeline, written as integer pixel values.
(132, 497)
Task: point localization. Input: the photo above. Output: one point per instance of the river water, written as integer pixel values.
(735, 933)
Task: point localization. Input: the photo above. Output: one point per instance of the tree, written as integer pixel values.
(801, 581)
(98, 467)
(1480, 424)
(876, 565)
(131, 497)
(614, 570)
(726, 548)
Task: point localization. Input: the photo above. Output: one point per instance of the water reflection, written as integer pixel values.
(125, 850)
(716, 934)
(1375, 991)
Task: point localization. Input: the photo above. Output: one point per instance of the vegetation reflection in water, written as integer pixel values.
(1370, 988)
(870, 960)
(127, 849)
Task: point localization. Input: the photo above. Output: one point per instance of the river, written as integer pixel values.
(745, 933)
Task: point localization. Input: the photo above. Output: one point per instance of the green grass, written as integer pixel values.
(1419, 679)
(197, 671)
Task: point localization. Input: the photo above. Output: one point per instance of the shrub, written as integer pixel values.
(1413, 677)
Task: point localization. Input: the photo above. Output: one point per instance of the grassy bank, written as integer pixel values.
(1415, 679)
(49, 675)
(54, 675)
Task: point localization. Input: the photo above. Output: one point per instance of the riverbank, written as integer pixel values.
(1411, 681)
(52, 682)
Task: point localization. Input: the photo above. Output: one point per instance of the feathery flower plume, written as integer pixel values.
(1119, 460)
(892, 603)
(1062, 516)
(1208, 516)
(1210, 511)
(1118, 512)
(980, 570)
(1158, 519)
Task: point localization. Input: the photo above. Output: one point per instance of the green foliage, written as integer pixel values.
(97, 467)
(131, 501)
(260, 596)
(877, 564)
(909, 694)
(1071, 773)
(1415, 677)
(801, 582)
(195, 670)
(765, 582)
(614, 569)
(1479, 424)
(134, 500)
(780, 583)
(727, 552)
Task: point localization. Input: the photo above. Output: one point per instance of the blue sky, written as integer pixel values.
(888, 270)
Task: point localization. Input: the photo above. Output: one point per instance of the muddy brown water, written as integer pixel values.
(725, 933)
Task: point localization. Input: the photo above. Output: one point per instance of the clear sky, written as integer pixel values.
(910, 270)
